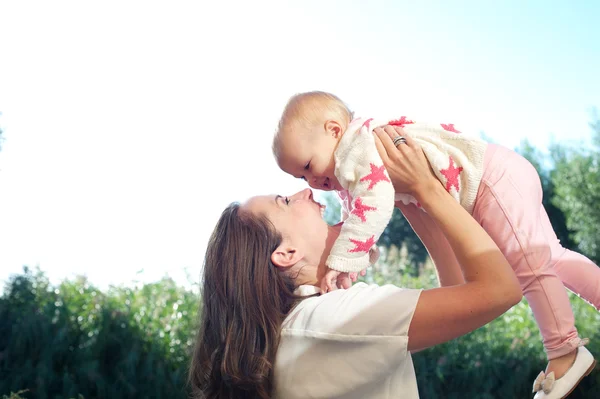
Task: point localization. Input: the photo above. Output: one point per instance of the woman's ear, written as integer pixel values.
(286, 255)
(333, 128)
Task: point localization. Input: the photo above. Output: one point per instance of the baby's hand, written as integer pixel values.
(329, 281)
(334, 280)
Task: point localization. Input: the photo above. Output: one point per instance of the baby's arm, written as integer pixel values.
(360, 170)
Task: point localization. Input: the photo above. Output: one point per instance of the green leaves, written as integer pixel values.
(570, 178)
(75, 341)
(59, 342)
(501, 359)
(577, 185)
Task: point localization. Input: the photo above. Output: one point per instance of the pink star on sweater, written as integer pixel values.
(451, 173)
(362, 246)
(368, 123)
(360, 209)
(400, 122)
(449, 127)
(377, 174)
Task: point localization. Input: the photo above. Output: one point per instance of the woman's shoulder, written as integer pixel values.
(363, 310)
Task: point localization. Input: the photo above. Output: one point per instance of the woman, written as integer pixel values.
(266, 332)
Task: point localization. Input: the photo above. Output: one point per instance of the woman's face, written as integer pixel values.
(299, 219)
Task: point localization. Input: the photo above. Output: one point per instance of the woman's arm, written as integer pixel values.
(491, 286)
(438, 247)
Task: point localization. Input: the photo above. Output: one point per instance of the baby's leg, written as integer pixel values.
(578, 273)
(508, 207)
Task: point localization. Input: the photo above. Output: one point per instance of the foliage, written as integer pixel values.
(58, 342)
(1, 136)
(333, 207)
(577, 181)
(73, 341)
(555, 214)
(501, 359)
(14, 395)
(570, 177)
(398, 234)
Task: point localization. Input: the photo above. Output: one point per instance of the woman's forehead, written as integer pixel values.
(262, 204)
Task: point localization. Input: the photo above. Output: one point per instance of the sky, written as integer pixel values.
(129, 126)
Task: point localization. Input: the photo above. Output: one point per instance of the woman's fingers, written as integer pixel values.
(405, 162)
(385, 140)
(380, 148)
(393, 131)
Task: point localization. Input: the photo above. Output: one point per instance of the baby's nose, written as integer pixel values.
(315, 184)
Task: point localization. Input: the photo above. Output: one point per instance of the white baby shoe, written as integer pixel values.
(547, 387)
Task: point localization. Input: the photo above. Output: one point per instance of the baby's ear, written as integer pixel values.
(333, 128)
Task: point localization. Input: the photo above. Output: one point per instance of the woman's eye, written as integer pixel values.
(307, 166)
(287, 200)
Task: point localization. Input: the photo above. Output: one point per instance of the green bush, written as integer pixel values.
(73, 341)
(14, 395)
(499, 360)
(59, 342)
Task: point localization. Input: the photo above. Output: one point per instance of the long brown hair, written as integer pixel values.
(245, 299)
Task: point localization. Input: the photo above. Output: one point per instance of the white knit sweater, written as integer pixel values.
(456, 159)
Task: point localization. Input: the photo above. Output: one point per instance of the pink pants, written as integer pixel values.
(509, 207)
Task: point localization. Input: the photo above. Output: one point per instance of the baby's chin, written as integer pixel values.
(332, 187)
(338, 226)
(331, 184)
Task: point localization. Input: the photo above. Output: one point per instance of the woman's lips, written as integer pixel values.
(321, 208)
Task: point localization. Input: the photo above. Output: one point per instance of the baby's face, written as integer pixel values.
(309, 156)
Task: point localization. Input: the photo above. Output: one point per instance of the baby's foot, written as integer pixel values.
(561, 365)
(547, 386)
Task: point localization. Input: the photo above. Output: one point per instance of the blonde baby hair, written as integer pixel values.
(304, 111)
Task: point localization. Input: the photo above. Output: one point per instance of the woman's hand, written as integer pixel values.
(406, 164)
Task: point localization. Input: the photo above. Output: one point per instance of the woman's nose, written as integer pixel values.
(304, 194)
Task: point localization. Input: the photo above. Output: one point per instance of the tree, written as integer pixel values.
(1, 137)
(555, 214)
(333, 210)
(398, 233)
(576, 181)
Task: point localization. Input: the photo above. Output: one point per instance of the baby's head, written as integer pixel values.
(309, 131)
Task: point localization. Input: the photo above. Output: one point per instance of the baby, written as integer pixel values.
(320, 141)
